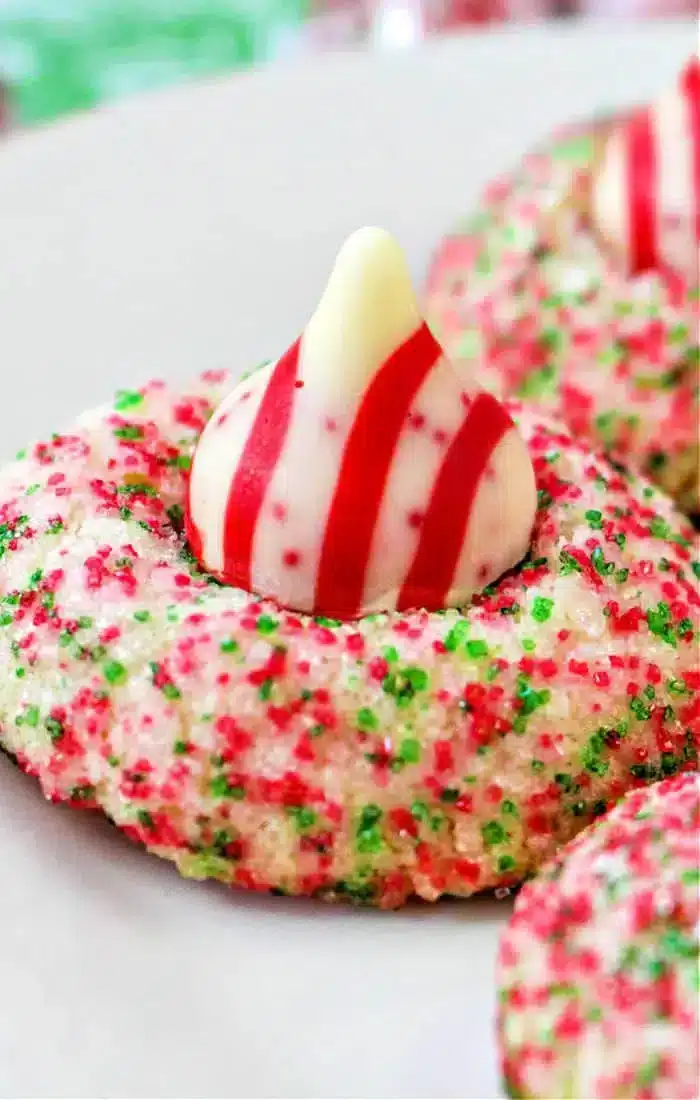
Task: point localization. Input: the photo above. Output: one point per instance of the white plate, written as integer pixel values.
(168, 235)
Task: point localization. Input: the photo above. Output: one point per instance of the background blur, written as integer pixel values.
(62, 55)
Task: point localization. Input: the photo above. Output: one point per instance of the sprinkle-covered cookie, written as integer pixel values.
(402, 753)
(526, 288)
(599, 965)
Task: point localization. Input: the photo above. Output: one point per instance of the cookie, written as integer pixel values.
(599, 966)
(403, 753)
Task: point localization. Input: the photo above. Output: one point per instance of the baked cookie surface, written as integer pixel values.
(404, 753)
(599, 966)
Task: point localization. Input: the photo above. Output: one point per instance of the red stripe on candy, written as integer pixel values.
(690, 89)
(642, 183)
(364, 471)
(256, 467)
(192, 532)
(445, 525)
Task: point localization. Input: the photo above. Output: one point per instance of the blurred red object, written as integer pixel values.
(437, 15)
(472, 11)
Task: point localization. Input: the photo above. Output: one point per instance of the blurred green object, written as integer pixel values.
(64, 55)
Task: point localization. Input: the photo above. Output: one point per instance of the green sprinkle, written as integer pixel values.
(659, 622)
(528, 698)
(509, 808)
(54, 729)
(529, 645)
(142, 489)
(115, 673)
(369, 816)
(639, 709)
(142, 616)
(542, 609)
(360, 892)
(267, 624)
(477, 648)
(127, 399)
(457, 636)
(449, 794)
(537, 765)
(369, 837)
(605, 425)
(390, 654)
(322, 620)
(180, 462)
(304, 818)
(229, 646)
(669, 763)
(176, 516)
(265, 690)
(592, 754)
(404, 685)
(677, 687)
(659, 528)
(367, 719)
(410, 750)
(420, 810)
(170, 691)
(180, 747)
(506, 863)
(221, 788)
(540, 383)
(599, 563)
(595, 519)
(130, 431)
(31, 717)
(512, 609)
(568, 563)
(493, 833)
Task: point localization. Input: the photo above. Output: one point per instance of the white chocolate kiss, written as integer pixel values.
(674, 189)
(368, 312)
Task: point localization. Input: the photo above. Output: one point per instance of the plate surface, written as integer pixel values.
(185, 231)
